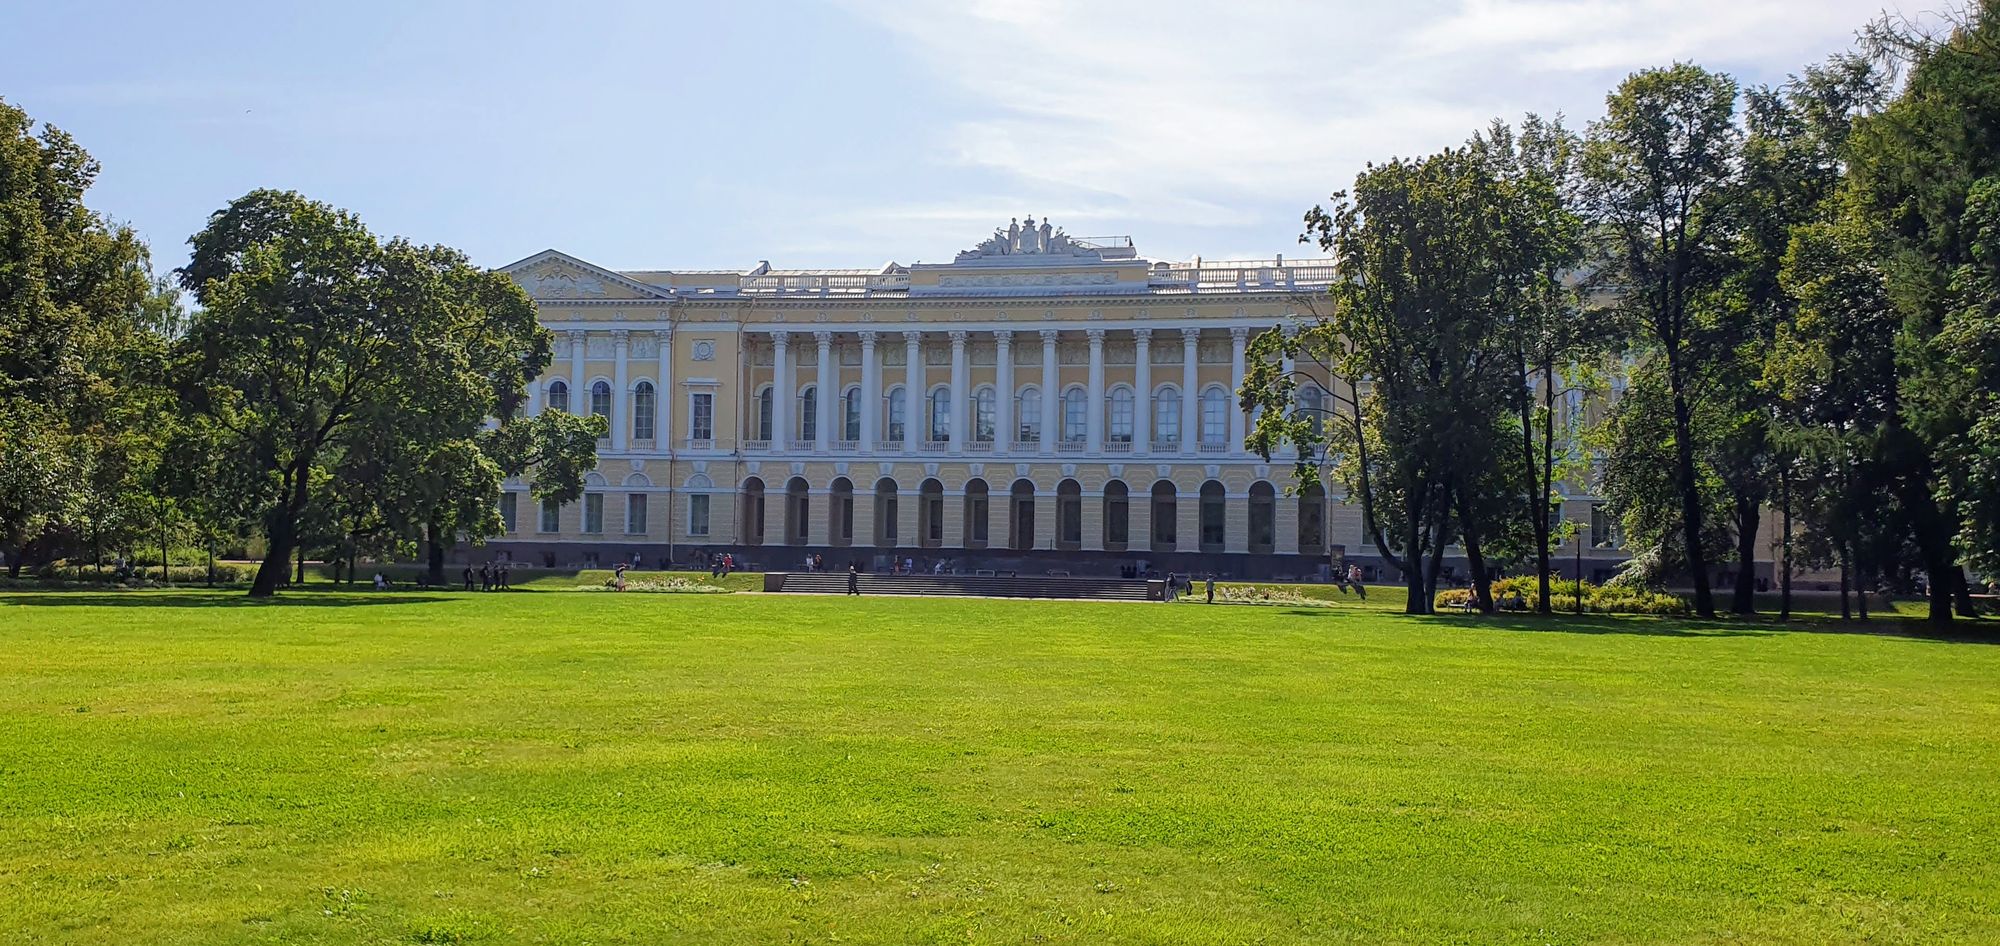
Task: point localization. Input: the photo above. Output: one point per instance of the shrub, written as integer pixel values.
(226, 573)
(659, 584)
(1600, 599)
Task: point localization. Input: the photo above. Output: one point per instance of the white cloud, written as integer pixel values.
(1185, 115)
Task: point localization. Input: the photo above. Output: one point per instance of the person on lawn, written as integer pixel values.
(853, 578)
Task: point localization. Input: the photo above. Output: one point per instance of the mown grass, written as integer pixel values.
(590, 768)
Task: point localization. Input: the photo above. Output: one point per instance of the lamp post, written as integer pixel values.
(1582, 527)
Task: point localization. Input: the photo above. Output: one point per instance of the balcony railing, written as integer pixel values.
(1118, 446)
(1025, 446)
(936, 446)
(1214, 448)
(847, 446)
(979, 446)
(756, 446)
(799, 446)
(699, 443)
(1168, 445)
(1070, 446)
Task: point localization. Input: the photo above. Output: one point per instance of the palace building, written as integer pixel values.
(1039, 402)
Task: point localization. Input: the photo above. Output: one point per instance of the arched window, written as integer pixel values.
(809, 413)
(763, 415)
(642, 411)
(1121, 415)
(1167, 417)
(941, 414)
(558, 396)
(898, 415)
(1214, 417)
(850, 414)
(600, 399)
(983, 415)
(1028, 416)
(1075, 409)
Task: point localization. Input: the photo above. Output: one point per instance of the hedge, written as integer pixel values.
(1599, 599)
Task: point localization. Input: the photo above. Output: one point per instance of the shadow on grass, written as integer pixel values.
(207, 599)
(1964, 631)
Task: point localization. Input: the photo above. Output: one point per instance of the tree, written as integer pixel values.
(316, 340)
(1661, 167)
(80, 317)
(1416, 314)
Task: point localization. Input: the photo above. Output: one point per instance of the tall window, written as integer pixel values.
(1121, 415)
(551, 517)
(600, 399)
(701, 416)
(1310, 407)
(850, 415)
(898, 415)
(1214, 416)
(983, 415)
(642, 411)
(698, 514)
(1167, 416)
(763, 415)
(635, 513)
(1075, 410)
(593, 513)
(1028, 414)
(558, 396)
(507, 511)
(809, 413)
(941, 414)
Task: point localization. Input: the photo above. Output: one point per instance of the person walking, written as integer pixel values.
(500, 576)
(1211, 587)
(1354, 578)
(853, 578)
(468, 577)
(618, 577)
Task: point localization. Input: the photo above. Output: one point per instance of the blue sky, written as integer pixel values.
(686, 136)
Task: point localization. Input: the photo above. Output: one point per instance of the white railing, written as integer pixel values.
(826, 284)
(1243, 276)
(889, 446)
(847, 446)
(1025, 446)
(1070, 446)
(936, 446)
(1118, 446)
(701, 443)
(979, 446)
(799, 446)
(1214, 448)
(1166, 446)
(756, 446)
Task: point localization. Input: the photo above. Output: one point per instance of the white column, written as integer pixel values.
(960, 394)
(825, 396)
(1238, 335)
(1142, 382)
(1287, 364)
(781, 391)
(1190, 393)
(871, 398)
(621, 347)
(1051, 398)
(1093, 424)
(663, 395)
(913, 414)
(579, 399)
(1003, 393)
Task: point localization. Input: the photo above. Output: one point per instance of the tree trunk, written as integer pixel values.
(1697, 562)
(1538, 490)
(1748, 516)
(1785, 580)
(1432, 566)
(1413, 573)
(1482, 586)
(434, 553)
(281, 529)
(1961, 593)
(1846, 570)
(299, 577)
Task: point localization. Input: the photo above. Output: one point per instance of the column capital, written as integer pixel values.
(867, 337)
(1238, 333)
(575, 336)
(665, 332)
(1096, 336)
(1143, 335)
(620, 336)
(1049, 335)
(913, 336)
(957, 337)
(1190, 333)
(781, 337)
(1003, 337)
(824, 337)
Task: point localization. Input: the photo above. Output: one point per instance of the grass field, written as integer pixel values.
(560, 767)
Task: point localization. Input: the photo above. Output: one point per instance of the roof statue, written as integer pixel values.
(1027, 240)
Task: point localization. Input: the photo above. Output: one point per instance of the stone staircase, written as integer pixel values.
(979, 586)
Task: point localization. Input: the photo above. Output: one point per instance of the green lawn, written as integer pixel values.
(567, 767)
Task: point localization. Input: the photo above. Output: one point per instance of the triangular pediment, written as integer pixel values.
(555, 275)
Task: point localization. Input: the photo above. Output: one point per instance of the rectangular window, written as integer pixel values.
(1121, 417)
(851, 416)
(983, 419)
(698, 514)
(635, 514)
(593, 513)
(1167, 420)
(642, 414)
(507, 511)
(896, 416)
(551, 516)
(701, 416)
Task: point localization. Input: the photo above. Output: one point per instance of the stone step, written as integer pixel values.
(1025, 586)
